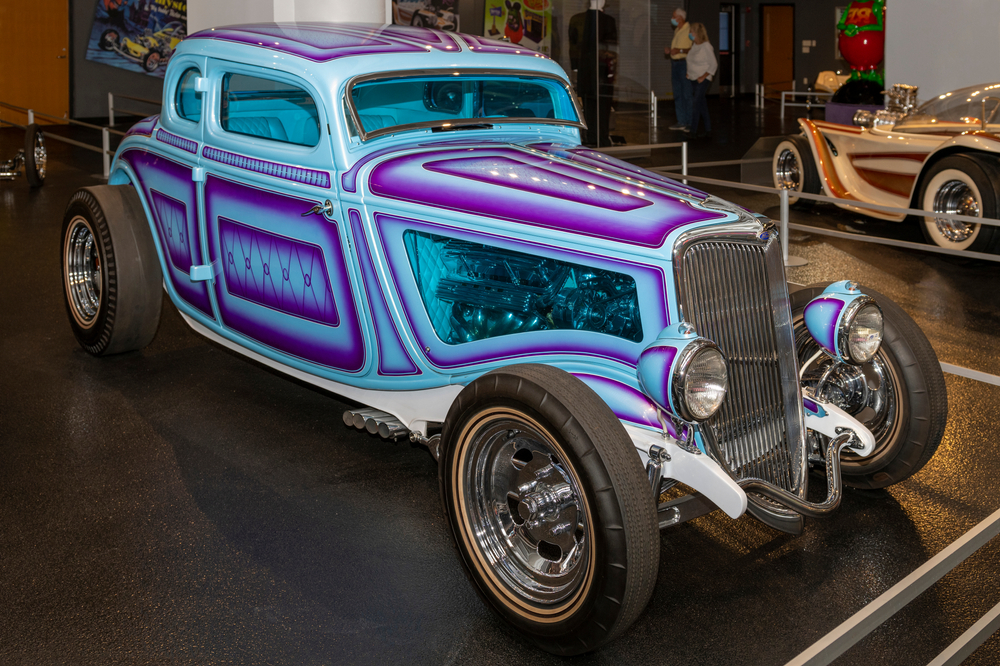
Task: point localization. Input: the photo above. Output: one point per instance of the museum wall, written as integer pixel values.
(942, 50)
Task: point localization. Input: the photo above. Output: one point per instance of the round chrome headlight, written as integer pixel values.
(861, 331)
(700, 381)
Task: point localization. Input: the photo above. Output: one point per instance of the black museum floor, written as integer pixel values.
(181, 505)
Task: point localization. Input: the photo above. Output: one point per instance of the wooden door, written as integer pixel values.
(34, 58)
(777, 47)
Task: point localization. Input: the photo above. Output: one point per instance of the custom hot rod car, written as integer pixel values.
(149, 50)
(943, 157)
(404, 217)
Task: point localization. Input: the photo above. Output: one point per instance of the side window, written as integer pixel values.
(187, 101)
(269, 109)
(473, 292)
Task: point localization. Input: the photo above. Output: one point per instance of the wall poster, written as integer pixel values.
(139, 35)
(437, 14)
(524, 22)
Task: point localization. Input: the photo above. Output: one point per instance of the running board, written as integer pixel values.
(376, 422)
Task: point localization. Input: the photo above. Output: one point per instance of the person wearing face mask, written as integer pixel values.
(678, 52)
(701, 67)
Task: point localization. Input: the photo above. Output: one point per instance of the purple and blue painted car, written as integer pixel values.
(591, 351)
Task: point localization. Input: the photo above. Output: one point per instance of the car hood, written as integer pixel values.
(555, 186)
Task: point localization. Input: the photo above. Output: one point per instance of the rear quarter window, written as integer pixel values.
(275, 110)
(187, 100)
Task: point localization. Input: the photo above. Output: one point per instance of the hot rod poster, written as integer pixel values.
(139, 35)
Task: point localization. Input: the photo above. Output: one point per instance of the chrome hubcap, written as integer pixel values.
(41, 155)
(524, 509)
(870, 392)
(83, 272)
(787, 171)
(956, 197)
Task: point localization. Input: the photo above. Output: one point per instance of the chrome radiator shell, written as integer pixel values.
(731, 286)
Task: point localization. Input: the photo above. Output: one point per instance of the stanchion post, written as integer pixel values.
(652, 106)
(31, 116)
(789, 261)
(106, 145)
(783, 105)
(784, 225)
(684, 160)
(111, 109)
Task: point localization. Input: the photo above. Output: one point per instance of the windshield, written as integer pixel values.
(957, 110)
(452, 100)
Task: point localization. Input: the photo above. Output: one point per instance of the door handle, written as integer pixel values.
(60, 57)
(325, 208)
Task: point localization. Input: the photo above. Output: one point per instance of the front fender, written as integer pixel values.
(695, 470)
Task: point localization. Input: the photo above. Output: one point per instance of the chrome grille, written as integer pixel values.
(735, 294)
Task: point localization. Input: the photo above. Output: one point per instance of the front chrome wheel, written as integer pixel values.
(869, 392)
(83, 272)
(899, 395)
(552, 512)
(524, 509)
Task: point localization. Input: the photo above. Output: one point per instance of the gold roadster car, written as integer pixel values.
(942, 156)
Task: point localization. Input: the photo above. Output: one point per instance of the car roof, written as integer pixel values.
(361, 48)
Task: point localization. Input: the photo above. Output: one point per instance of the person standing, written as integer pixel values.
(678, 52)
(701, 67)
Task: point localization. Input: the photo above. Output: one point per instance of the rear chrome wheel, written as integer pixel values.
(550, 507)
(111, 273)
(962, 185)
(36, 156)
(83, 272)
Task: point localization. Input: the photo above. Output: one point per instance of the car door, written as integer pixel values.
(272, 222)
(166, 172)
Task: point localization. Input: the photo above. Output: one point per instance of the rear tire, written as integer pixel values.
(35, 156)
(550, 507)
(793, 169)
(908, 409)
(151, 61)
(964, 184)
(111, 272)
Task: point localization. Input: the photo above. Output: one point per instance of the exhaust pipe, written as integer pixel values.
(376, 422)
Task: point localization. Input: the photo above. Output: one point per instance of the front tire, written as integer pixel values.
(793, 169)
(35, 156)
(109, 40)
(111, 272)
(550, 507)
(966, 185)
(900, 395)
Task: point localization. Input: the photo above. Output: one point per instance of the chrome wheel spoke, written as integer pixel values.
(525, 510)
